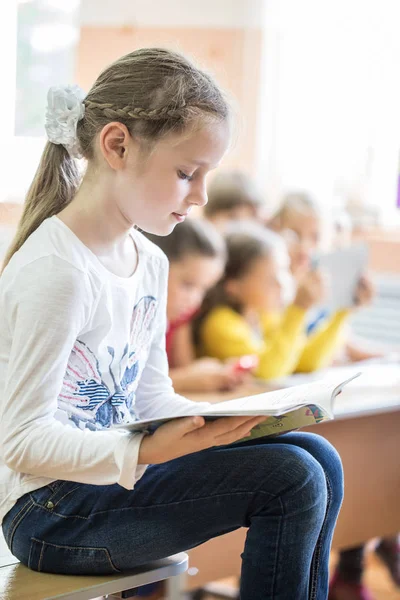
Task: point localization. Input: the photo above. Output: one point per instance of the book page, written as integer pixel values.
(316, 396)
(301, 417)
(280, 401)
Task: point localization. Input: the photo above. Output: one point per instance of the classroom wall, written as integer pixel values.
(224, 37)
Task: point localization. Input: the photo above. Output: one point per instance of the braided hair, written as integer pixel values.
(153, 92)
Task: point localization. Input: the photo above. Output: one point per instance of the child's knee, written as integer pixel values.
(306, 477)
(329, 459)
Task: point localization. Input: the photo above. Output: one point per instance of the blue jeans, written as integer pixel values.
(287, 490)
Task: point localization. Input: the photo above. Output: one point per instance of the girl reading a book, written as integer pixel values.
(82, 349)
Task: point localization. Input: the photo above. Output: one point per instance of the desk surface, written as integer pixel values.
(376, 391)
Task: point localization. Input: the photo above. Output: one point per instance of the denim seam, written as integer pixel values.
(58, 514)
(18, 513)
(30, 556)
(14, 524)
(101, 512)
(65, 495)
(41, 556)
(105, 550)
(317, 556)
(54, 485)
(56, 490)
(276, 553)
(182, 502)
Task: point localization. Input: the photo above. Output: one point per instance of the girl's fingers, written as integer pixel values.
(226, 424)
(183, 426)
(241, 428)
(238, 433)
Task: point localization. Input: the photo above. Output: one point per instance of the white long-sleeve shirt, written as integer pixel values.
(81, 350)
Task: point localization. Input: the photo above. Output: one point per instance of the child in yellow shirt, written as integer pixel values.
(299, 221)
(245, 313)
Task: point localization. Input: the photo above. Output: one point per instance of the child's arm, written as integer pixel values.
(191, 375)
(47, 306)
(225, 334)
(359, 350)
(182, 347)
(205, 375)
(321, 346)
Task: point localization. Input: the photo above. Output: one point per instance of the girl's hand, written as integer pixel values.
(210, 375)
(365, 292)
(186, 435)
(311, 290)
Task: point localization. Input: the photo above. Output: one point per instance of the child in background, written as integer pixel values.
(355, 350)
(300, 221)
(347, 581)
(245, 313)
(196, 254)
(232, 196)
(82, 349)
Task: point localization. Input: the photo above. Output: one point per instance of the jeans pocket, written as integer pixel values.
(53, 495)
(70, 560)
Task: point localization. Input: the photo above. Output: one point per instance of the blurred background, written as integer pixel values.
(316, 90)
(315, 85)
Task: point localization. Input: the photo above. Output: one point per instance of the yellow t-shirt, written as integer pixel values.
(281, 345)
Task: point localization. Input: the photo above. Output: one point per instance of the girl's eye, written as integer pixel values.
(183, 176)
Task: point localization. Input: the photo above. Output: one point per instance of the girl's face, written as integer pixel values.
(265, 284)
(302, 233)
(156, 190)
(189, 280)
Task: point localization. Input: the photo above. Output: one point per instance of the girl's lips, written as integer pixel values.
(179, 218)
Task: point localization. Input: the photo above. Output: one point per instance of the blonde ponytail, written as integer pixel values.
(53, 187)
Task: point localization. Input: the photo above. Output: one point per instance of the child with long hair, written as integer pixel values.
(196, 254)
(248, 313)
(299, 219)
(83, 301)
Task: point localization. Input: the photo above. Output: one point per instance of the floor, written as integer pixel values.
(378, 580)
(376, 577)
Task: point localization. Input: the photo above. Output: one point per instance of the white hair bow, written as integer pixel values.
(65, 108)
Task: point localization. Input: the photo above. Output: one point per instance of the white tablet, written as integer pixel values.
(344, 267)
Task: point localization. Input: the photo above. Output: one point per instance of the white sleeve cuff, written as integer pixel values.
(126, 457)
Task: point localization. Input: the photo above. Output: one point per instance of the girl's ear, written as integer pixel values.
(114, 140)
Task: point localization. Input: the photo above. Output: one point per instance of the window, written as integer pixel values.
(329, 105)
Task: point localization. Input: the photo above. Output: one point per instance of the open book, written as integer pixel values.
(287, 409)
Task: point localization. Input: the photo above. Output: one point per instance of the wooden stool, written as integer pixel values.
(17, 582)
